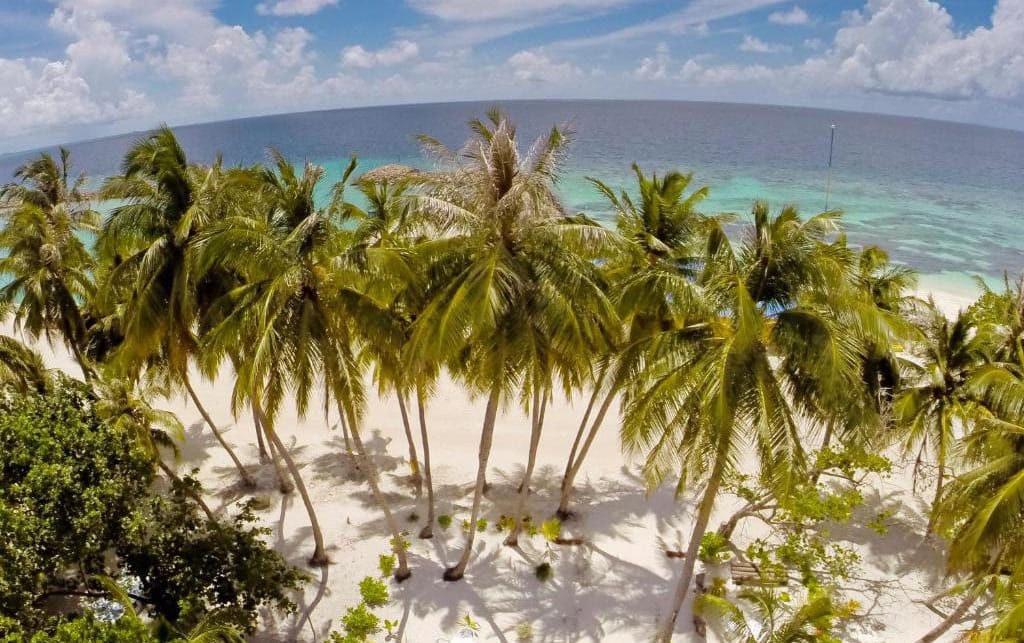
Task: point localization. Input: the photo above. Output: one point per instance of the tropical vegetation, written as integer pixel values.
(759, 357)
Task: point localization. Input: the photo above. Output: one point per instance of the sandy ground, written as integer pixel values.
(614, 588)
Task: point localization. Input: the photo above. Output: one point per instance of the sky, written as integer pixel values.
(78, 69)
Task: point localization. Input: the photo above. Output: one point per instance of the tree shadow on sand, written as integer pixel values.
(595, 591)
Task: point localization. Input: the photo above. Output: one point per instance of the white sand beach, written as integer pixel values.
(613, 588)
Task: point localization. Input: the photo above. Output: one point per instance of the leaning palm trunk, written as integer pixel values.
(954, 617)
(414, 462)
(247, 479)
(284, 485)
(570, 476)
(319, 557)
(397, 541)
(580, 432)
(537, 425)
(344, 432)
(930, 529)
(700, 527)
(87, 372)
(486, 438)
(195, 495)
(264, 454)
(428, 529)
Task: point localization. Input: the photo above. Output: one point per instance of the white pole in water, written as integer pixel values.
(828, 177)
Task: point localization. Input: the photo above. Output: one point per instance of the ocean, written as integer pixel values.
(944, 198)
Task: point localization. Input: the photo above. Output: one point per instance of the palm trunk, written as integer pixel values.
(264, 455)
(414, 462)
(83, 363)
(247, 479)
(486, 438)
(397, 541)
(428, 529)
(700, 527)
(284, 485)
(954, 617)
(540, 401)
(580, 432)
(195, 495)
(344, 432)
(930, 529)
(570, 478)
(319, 557)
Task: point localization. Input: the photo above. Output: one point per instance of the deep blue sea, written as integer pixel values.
(945, 198)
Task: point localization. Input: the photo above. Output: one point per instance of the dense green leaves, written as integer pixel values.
(66, 481)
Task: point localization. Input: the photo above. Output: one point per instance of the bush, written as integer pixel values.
(714, 548)
(373, 591)
(190, 566)
(544, 572)
(444, 521)
(74, 488)
(67, 481)
(360, 623)
(386, 564)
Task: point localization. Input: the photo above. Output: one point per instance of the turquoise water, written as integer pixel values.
(944, 198)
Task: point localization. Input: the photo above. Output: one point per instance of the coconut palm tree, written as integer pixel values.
(778, 621)
(299, 306)
(651, 281)
(48, 267)
(124, 404)
(166, 203)
(21, 367)
(378, 248)
(937, 399)
(508, 261)
(761, 348)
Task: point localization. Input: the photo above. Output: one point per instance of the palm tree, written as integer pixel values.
(937, 398)
(761, 348)
(778, 621)
(981, 512)
(379, 245)
(509, 261)
(298, 306)
(125, 405)
(651, 282)
(166, 203)
(48, 265)
(21, 367)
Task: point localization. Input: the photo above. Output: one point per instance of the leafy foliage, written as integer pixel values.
(58, 509)
(190, 566)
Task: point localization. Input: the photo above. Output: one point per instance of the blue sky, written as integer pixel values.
(73, 69)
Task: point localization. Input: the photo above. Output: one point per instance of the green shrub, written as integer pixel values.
(386, 564)
(373, 591)
(359, 622)
(544, 572)
(714, 548)
(444, 521)
(67, 482)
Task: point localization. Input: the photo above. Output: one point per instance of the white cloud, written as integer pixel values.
(536, 67)
(814, 44)
(694, 18)
(655, 67)
(899, 47)
(294, 7)
(37, 94)
(795, 16)
(397, 52)
(756, 45)
(484, 10)
(911, 47)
